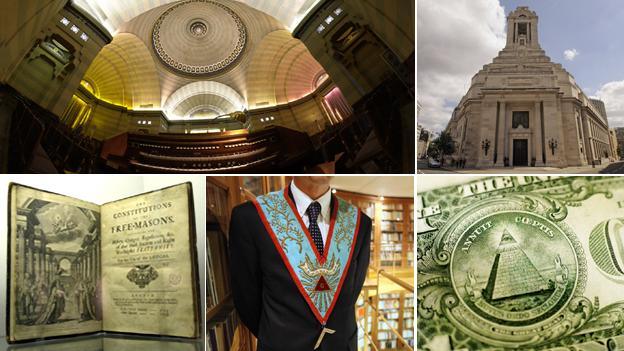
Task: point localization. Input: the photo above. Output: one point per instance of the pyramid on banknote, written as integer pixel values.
(512, 274)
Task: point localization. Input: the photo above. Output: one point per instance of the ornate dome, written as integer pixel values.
(198, 59)
(199, 37)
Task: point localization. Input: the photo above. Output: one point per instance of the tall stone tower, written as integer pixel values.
(525, 110)
(522, 29)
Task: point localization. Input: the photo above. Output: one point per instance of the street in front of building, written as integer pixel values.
(611, 168)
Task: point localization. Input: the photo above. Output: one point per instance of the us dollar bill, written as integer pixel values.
(521, 263)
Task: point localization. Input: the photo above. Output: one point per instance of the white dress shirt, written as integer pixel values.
(303, 201)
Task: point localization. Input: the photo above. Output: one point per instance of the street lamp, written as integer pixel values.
(553, 144)
(485, 146)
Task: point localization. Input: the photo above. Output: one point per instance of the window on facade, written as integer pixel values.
(522, 29)
(520, 118)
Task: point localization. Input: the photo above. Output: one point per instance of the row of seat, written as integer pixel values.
(268, 150)
(40, 143)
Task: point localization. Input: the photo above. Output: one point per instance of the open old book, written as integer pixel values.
(128, 266)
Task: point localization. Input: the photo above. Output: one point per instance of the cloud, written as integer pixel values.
(570, 54)
(612, 94)
(455, 39)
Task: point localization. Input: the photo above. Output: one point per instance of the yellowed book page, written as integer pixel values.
(148, 278)
(54, 265)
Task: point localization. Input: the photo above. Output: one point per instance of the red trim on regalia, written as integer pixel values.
(280, 250)
(346, 269)
(293, 275)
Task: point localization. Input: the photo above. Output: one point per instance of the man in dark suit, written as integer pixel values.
(299, 258)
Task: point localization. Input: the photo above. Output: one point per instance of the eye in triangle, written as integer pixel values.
(322, 285)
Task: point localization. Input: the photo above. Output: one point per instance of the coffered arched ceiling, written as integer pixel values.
(124, 74)
(203, 95)
(282, 70)
(114, 13)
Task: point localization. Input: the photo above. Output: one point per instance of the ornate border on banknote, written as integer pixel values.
(502, 269)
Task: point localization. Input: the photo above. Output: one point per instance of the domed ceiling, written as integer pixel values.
(212, 37)
(204, 58)
(114, 13)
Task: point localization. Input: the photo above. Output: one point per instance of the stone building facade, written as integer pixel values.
(619, 136)
(525, 110)
(615, 145)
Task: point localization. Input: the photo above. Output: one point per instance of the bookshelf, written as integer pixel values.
(410, 237)
(390, 307)
(224, 332)
(397, 307)
(392, 239)
(392, 247)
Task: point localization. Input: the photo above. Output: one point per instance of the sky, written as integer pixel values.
(455, 38)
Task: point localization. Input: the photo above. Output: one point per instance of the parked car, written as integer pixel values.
(433, 163)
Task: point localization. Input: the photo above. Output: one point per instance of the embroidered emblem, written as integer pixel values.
(320, 280)
(282, 221)
(318, 277)
(142, 275)
(321, 285)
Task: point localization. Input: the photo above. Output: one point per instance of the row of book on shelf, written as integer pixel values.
(221, 317)
(217, 268)
(398, 313)
(220, 335)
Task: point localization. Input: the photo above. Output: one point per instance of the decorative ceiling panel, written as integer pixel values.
(114, 13)
(267, 67)
(213, 33)
(184, 101)
(282, 70)
(124, 74)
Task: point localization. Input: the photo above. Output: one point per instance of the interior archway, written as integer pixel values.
(197, 96)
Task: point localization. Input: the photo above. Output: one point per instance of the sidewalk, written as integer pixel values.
(519, 170)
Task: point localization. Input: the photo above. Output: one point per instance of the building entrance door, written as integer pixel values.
(520, 152)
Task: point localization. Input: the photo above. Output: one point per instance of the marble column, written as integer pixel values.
(505, 131)
(31, 253)
(579, 125)
(37, 259)
(50, 266)
(502, 135)
(592, 146)
(21, 251)
(91, 261)
(42, 256)
(537, 135)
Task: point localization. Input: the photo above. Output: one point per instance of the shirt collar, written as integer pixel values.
(303, 201)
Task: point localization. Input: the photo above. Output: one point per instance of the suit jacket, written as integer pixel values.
(267, 299)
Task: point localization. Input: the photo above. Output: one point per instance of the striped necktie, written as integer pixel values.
(314, 210)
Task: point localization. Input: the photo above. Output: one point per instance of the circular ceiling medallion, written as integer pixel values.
(199, 37)
(198, 29)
